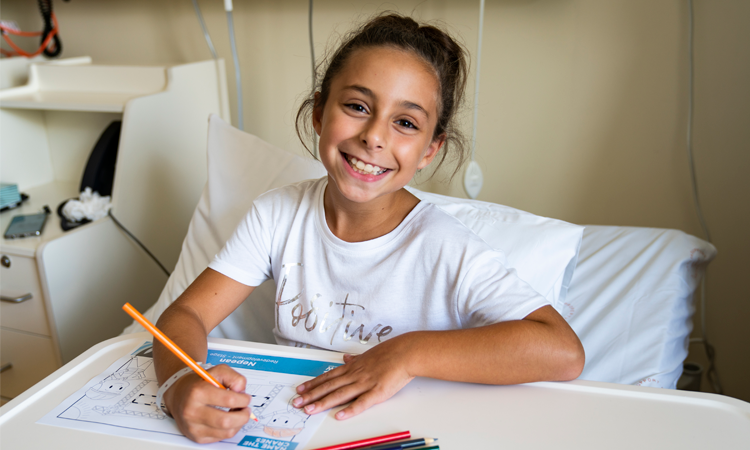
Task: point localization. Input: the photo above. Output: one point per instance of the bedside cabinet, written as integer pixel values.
(28, 343)
(28, 353)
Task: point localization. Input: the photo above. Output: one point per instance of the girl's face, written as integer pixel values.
(377, 125)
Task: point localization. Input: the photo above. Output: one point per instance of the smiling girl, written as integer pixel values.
(361, 265)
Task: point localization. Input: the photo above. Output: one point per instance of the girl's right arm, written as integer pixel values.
(191, 400)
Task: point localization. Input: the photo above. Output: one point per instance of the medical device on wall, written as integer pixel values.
(50, 44)
(473, 178)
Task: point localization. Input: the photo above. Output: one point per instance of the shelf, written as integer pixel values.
(69, 101)
(84, 87)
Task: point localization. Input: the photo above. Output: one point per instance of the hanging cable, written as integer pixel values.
(205, 30)
(312, 63)
(50, 29)
(237, 76)
(140, 244)
(476, 82)
(473, 178)
(49, 35)
(711, 373)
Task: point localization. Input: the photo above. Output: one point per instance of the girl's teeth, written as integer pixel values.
(363, 167)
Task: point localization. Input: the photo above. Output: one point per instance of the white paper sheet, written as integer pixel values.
(122, 400)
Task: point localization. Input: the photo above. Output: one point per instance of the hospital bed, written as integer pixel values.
(626, 291)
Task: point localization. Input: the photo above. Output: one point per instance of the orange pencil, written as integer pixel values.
(184, 357)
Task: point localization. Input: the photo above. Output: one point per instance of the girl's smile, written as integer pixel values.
(376, 127)
(371, 172)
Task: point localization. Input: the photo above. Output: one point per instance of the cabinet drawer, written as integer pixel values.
(31, 357)
(19, 279)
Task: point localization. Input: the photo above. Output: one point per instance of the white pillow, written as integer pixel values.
(241, 167)
(631, 302)
(542, 251)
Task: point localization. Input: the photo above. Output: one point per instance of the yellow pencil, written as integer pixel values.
(184, 357)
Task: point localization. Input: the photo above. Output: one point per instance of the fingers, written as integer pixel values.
(193, 402)
(321, 385)
(330, 393)
(363, 402)
(365, 393)
(230, 379)
(208, 424)
(366, 379)
(358, 382)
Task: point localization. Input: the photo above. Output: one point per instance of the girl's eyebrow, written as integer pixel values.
(411, 105)
(404, 103)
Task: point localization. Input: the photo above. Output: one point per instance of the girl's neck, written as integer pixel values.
(359, 222)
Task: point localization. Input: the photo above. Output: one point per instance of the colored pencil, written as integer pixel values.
(174, 348)
(368, 442)
(402, 445)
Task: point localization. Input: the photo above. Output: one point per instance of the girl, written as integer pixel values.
(361, 265)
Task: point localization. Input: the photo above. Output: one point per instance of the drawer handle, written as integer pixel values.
(5, 367)
(19, 299)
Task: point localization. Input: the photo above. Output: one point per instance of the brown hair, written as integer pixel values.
(434, 46)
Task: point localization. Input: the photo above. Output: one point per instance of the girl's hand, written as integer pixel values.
(368, 379)
(192, 401)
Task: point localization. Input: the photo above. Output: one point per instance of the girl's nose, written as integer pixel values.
(374, 134)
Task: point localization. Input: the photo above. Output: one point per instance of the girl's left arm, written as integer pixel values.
(541, 347)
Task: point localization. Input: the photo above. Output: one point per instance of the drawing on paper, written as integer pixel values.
(122, 400)
(286, 421)
(130, 390)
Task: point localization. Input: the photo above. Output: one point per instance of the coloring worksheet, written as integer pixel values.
(122, 400)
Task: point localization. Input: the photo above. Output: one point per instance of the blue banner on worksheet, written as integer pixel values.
(267, 363)
(266, 443)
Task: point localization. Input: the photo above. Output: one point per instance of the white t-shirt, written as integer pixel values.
(430, 273)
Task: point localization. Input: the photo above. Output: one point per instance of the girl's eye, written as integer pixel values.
(406, 124)
(356, 107)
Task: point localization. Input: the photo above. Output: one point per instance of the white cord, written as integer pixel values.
(711, 372)
(476, 81)
(473, 177)
(312, 62)
(238, 77)
(690, 125)
(205, 30)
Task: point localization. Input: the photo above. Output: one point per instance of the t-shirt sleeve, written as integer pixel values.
(490, 293)
(246, 255)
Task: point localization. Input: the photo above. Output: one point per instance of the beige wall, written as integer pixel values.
(582, 113)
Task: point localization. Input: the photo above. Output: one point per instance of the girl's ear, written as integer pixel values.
(432, 151)
(317, 114)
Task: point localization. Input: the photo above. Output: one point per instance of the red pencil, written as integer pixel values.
(368, 442)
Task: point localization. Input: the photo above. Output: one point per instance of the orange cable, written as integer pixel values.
(19, 52)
